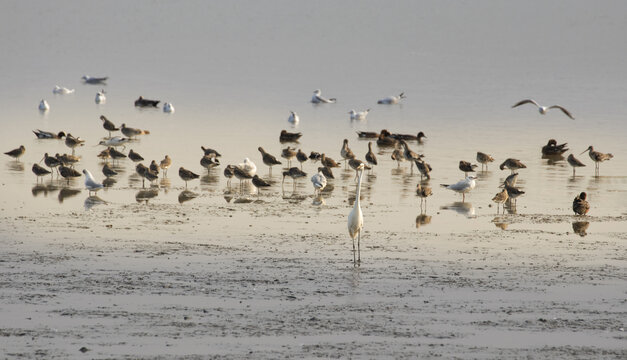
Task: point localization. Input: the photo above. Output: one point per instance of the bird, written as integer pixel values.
(513, 193)
(512, 164)
(385, 139)
(100, 97)
(580, 204)
(356, 220)
(90, 183)
(409, 154)
(371, 158)
(294, 173)
(116, 154)
(132, 132)
(43, 105)
(293, 118)
(50, 161)
(367, 134)
(301, 157)
(114, 141)
(268, 159)
(319, 182)
(328, 162)
(154, 167)
(107, 171)
(187, 175)
(397, 155)
(551, 148)
(574, 162)
(241, 174)
(16, 153)
(108, 125)
(326, 172)
(165, 164)
(463, 186)
(500, 198)
(73, 142)
(210, 152)
(317, 98)
(168, 108)
(315, 156)
(288, 154)
(423, 168)
(67, 159)
(417, 137)
(249, 167)
(543, 109)
(597, 157)
(356, 165)
(48, 135)
(259, 183)
(228, 173)
(141, 102)
(105, 154)
(390, 100)
(346, 152)
(466, 167)
(359, 115)
(135, 156)
(511, 179)
(423, 192)
(484, 159)
(40, 171)
(286, 136)
(61, 90)
(94, 80)
(68, 173)
(209, 162)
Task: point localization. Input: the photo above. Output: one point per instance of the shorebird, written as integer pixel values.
(259, 183)
(40, 171)
(145, 173)
(165, 164)
(317, 98)
(168, 108)
(346, 152)
(289, 137)
(512, 164)
(51, 161)
(597, 157)
(100, 97)
(359, 115)
(466, 167)
(580, 205)
(424, 168)
(314, 156)
(513, 193)
(73, 142)
(67, 159)
(107, 171)
(61, 90)
(132, 132)
(16, 153)
(141, 102)
(210, 152)
(90, 183)
(115, 142)
(484, 159)
(356, 165)
(356, 220)
(551, 148)
(209, 162)
(43, 105)
(418, 137)
(409, 154)
(367, 134)
(154, 167)
(500, 199)
(94, 80)
(249, 167)
(463, 186)
(574, 162)
(294, 173)
(116, 154)
(385, 139)
(228, 174)
(240, 174)
(293, 118)
(371, 158)
(423, 192)
(510, 180)
(48, 135)
(390, 100)
(68, 173)
(397, 155)
(319, 182)
(268, 159)
(328, 162)
(108, 125)
(104, 155)
(301, 157)
(135, 156)
(543, 109)
(288, 154)
(187, 175)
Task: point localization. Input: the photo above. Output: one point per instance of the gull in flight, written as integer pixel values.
(390, 100)
(463, 186)
(317, 98)
(61, 90)
(90, 182)
(359, 115)
(543, 109)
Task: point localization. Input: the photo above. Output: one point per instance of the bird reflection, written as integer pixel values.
(462, 208)
(108, 182)
(16, 166)
(553, 159)
(500, 223)
(92, 201)
(67, 192)
(580, 227)
(228, 196)
(186, 195)
(318, 200)
(40, 189)
(211, 178)
(422, 219)
(294, 198)
(328, 189)
(243, 201)
(146, 194)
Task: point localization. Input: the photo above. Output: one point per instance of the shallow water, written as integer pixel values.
(234, 71)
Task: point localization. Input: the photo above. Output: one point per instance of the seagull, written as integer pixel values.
(484, 159)
(390, 100)
(356, 220)
(319, 182)
(597, 157)
(359, 115)
(94, 80)
(61, 90)
(48, 135)
(580, 205)
(317, 98)
(100, 97)
(90, 182)
(463, 186)
(43, 105)
(574, 162)
(543, 109)
(293, 118)
(168, 108)
(248, 167)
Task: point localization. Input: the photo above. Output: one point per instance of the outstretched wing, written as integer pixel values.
(526, 101)
(563, 110)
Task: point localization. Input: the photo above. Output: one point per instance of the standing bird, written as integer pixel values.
(543, 109)
(359, 115)
(16, 153)
(154, 167)
(100, 97)
(168, 108)
(228, 174)
(346, 152)
(552, 149)
(500, 199)
(371, 158)
(390, 100)
(68, 173)
(165, 165)
(90, 183)
(73, 142)
(132, 132)
(574, 162)
(288, 154)
(319, 182)
(293, 118)
(241, 174)
(105, 155)
(463, 186)
(510, 180)
(249, 167)
(356, 165)
(580, 205)
(268, 159)
(294, 173)
(328, 162)
(466, 167)
(48, 135)
(259, 183)
(51, 161)
(108, 125)
(317, 98)
(187, 175)
(135, 156)
(68, 160)
(145, 173)
(326, 172)
(409, 154)
(423, 192)
(40, 171)
(597, 157)
(484, 159)
(210, 152)
(209, 162)
(513, 193)
(424, 168)
(301, 157)
(44, 106)
(512, 164)
(286, 136)
(397, 155)
(141, 102)
(116, 154)
(356, 220)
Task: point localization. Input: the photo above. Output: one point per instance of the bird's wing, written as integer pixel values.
(563, 110)
(526, 101)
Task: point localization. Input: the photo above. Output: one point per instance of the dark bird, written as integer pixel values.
(105, 154)
(50, 161)
(209, 161)
(48, 135)
(187, 175)
(574, 162)
(418, 137)
(268, 159)
(371, 158)
(367, 134)
(116, 154)
(132, 132)
(228, 173)
(210, 152)
(512, 164)
(67, 159)
(107, 171)
(289, 137)
(423, 192)
(259, 183)
(551, 148)
(154, 167)
(68, 173)
(385, 139)
(580, 205)
(108, 125)
(294, 173)
(424, 168)
(315, 156)
(16, 153)
(73, 142)
(484, 159)
(301, 157)
(466, 167)
(328, 162)
(513, 193)
(141, 102)
(40, 171)
(135, 156)
(326, 172)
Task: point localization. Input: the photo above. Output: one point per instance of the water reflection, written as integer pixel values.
(92, 201)
(228, 196)
(146, 194)
(109, 182)
(211, 178)
(463, 208)
(15, 166)
(67, 192)
(554, 159)
(580, 227)
(318, 200)
(500, 223)
(423, 219)
(40, 189)
(187, 195)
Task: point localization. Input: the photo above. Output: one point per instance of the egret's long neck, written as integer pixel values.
(357, 193)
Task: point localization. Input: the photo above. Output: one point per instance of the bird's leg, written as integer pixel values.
(463, 197)
(359, 247)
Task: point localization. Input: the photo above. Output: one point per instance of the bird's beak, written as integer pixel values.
(585, 151)
(42, 159)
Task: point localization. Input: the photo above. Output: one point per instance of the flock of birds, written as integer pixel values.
(247, 170)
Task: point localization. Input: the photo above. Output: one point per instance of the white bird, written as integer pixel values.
(390, 100)
(543, 109)
(293, 119)
(359, 115)
(61, 90)
(114, 141)
(100, 97)
(317, 98)
(90, 182)
(168, 108)
(249, 167)
(463, 186)
(43, 105)
(356, 218)
(94, 80)
(319, 182)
